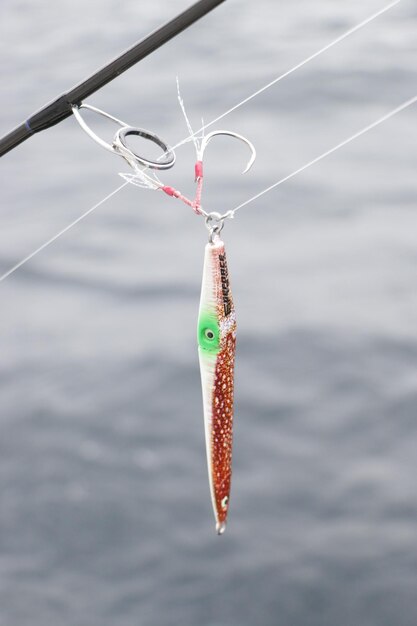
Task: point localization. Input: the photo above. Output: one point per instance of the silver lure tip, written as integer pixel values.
(220, 527)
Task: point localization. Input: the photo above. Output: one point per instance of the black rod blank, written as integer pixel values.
(61, 108)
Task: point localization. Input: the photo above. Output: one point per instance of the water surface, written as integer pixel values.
(105, 515)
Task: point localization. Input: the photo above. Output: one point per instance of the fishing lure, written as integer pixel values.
(216, 328)
(216, 336)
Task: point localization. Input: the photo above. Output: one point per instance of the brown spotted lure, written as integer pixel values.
(216, 337)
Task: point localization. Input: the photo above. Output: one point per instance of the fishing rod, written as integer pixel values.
(62, 107)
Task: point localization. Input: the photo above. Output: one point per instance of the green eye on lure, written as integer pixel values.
(216, 337)
(208, 332)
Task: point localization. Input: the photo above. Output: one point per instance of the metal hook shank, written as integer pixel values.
(87, 129)
(206, 140)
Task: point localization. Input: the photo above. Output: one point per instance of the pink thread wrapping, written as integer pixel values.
(170, 191)
(198, 170)
(196, 203)
(198, 192)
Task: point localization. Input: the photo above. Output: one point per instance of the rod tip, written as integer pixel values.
(220, 527)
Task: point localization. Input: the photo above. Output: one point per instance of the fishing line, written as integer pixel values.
(227, 112)
(379, 121)
(231, 212)
(293, 69)
(61, 232)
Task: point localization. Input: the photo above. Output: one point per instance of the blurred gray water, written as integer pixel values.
(105, 515)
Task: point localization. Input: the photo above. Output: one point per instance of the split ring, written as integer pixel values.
(214, 222)
(167, 159)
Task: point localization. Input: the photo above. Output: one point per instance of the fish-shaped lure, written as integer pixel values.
(216, 347)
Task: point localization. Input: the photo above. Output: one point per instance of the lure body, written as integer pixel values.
(216, 347)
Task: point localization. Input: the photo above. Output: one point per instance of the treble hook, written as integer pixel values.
(206, 140)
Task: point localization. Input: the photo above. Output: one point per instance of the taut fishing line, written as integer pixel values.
(343, 143)
(192, 135)
(296, 67)
(61, 232)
